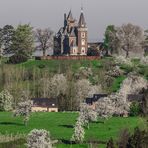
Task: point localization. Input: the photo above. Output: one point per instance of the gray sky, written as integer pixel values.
(98, 13)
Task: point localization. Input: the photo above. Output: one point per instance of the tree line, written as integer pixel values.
(125, 39)
(23, 40)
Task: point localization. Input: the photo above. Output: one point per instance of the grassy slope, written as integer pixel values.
(56, 66)
(61, 125)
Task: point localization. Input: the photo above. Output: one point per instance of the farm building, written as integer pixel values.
(44, 105)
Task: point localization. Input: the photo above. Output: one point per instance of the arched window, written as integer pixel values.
(83, 42)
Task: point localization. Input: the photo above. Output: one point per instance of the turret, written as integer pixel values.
(82, 35)
(82, 22)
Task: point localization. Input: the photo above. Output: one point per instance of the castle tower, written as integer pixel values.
(70, 21)
(82, 35)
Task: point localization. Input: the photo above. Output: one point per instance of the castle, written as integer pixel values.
(72, 38)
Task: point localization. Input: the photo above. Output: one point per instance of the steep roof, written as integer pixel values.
(70, 17)
(44, 102)
(82, 22)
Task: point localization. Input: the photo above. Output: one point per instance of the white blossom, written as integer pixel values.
(87, 114)
(24, 109)
(6, 100)
(130, 38)
(79, 133)
(58, 85)
(39, 139)
(122, 60)
(117, 103)
(144, 60)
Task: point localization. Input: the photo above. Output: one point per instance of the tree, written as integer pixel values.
(131, 38)
(39, 139)
(79, 133)
(6, 100)
(82, 88)
(110, 40)
(24, 109)
(117, 103)
(105, 108)
(22, 41)
(44, 37)
(8, 33)
(93, 52)
(139, 139)
(58, 85)
(87, 115)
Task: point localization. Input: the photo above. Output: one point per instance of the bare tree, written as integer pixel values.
(130, 37)
(44, 38)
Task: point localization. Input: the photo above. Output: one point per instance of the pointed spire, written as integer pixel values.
(70, 17)
(82, 19)
(81, 8)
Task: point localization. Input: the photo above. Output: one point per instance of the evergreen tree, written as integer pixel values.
(22, 42)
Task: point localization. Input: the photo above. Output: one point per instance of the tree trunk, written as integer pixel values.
(127, 54)
(44, 53)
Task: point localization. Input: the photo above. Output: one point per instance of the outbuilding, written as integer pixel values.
(44, 105)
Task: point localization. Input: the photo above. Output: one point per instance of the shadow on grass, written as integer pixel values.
(98, 122)
(66, 141)
(67, 126)
(11, 123)
(90, 141)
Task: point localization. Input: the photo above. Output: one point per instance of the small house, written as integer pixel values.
(91, 101)
(44, 105)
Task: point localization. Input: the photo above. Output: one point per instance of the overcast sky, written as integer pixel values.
(98, 13)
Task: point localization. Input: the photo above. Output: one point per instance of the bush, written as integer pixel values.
(93, 52)
(126, 68)
(39, 139)
(135, 109)
(18, 58)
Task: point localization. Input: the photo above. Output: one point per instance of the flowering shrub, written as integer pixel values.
(39, 139)
(117, 104)
(144, 60)
(6, 100)
(122, 60)
(79, 132)
(24, 109)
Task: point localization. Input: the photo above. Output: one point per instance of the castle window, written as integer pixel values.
(83, 50)
(83, 42)
(83, 34)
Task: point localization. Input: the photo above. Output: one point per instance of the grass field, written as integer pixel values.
(61, 125)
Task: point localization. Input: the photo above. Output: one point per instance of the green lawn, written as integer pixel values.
(61, 125)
